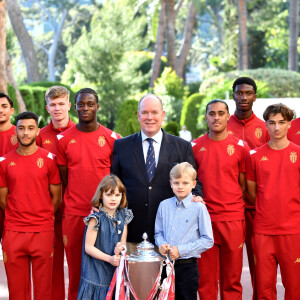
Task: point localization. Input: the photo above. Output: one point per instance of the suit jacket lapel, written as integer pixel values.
(139, 154)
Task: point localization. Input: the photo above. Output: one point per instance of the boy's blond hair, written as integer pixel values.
(57, 91)
(183, 168)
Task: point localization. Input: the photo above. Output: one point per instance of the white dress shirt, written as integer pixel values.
(157, 139)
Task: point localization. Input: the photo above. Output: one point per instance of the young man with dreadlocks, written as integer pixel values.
(84, 157)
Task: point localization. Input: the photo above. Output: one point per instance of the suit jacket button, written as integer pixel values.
(150, 187)
(146, 204)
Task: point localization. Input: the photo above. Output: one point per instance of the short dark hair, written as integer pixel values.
(244, 80)
(86, 91)
(27, 115)
(2, 95)
(216, 101)
(278, 108)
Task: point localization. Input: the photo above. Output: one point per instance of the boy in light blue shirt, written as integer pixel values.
(183, 229)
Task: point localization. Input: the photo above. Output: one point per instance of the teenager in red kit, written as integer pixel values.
(58, 106)
(8, 139)
(220, 161)
(30, 193)
(294, 132)
(273, 179)
(84, 157)
(245, 125)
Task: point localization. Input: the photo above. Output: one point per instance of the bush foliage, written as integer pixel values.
(172, 127)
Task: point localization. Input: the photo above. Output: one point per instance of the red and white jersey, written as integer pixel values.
(8, 140)
(29, 205)
(277, 177)
(88, 156)
(294, 132)
(47, 136)
(219, 164)
(252, 130)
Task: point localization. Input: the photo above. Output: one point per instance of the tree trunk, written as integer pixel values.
(159, 45)
(243, 43)
(3, 87)
(24, 39)
(11, 80)
(294, 32)
(170, 33)
(187, 39)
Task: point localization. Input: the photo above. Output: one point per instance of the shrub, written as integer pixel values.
(12, 94)
(172, 127)
(127, 122)
(190, 112)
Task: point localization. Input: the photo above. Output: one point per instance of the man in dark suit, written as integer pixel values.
(146, 186)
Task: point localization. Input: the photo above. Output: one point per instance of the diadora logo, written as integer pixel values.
(297, 260)
(202, 149)
(47, 142)
(12, 163)
(73, 141)
(264, 158)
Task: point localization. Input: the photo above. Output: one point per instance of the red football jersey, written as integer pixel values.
(8, 140)
(88, 156)
(219, 164)
(294, 132)
(277, 176)
(47, 137)
(252, 130)
(29, 205)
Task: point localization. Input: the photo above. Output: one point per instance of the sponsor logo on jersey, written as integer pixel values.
(12, 163)
(73, 141)
(40, 162)
(47, 142)
(230, 149)
(293, 157)
(241, 245)
(258, 132)
(264, 158)
(202, 149)
(13, 139)
(298, 132)
(101, 141)
(230, 132)
(297, 261)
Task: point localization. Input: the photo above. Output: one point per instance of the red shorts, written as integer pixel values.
(269, 251)
(223, 262)
(20, 249)
(73, 231)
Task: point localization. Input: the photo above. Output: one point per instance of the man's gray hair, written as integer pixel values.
(150, 95)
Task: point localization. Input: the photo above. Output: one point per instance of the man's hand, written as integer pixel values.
(163, 249)
(198, 199)
(174, 253)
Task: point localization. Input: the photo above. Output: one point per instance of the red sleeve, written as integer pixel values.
(54, 177)
(250, 168)
(3, 180)
(60, 153)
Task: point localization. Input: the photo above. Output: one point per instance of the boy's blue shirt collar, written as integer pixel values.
(185, 202)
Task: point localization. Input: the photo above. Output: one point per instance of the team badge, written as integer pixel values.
(47, 142)
(258, 132)
(264, 158)
(101, 141)
(73, 141)
(40, 162)
(202, 149)
(293, 157)
(12, 163)
(13, 139)
(230, 149)
(230, 132)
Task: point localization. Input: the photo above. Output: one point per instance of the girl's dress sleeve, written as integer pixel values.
(128, 216)
(87, 219)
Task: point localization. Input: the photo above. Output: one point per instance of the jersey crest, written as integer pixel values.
(40, 162)
(293, 157)
(264, 158)
(258, 132)
(230, 149)
(101, 141)
(47, 142)
(13, 139)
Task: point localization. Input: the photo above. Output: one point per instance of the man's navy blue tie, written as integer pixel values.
(150, 160)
